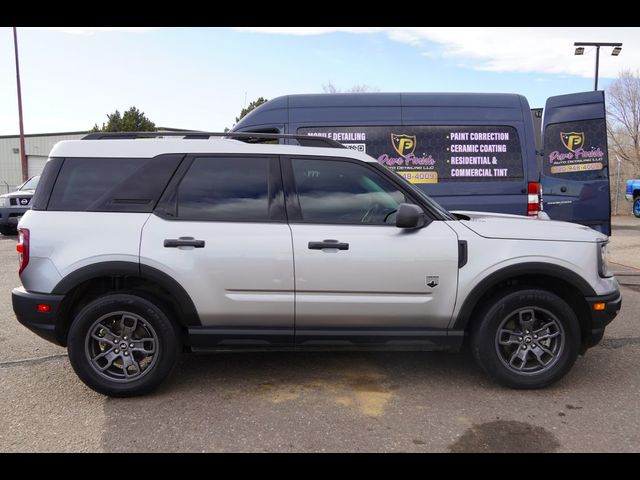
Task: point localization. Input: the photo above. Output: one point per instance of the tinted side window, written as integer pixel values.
(111, 184)
(225, 188)
(335, 191)
(47, 181)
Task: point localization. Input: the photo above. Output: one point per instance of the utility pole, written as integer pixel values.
(595, 84)
(23, 154)
(617, 184)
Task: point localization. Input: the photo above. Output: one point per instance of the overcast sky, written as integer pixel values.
(198, 77)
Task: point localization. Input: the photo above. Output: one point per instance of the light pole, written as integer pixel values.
(617, 47)
(23, 154)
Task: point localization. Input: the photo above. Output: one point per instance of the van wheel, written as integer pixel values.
(8, 231)
(636, 207)
(527, 338)
(123, 345)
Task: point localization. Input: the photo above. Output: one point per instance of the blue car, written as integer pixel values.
(633, 195)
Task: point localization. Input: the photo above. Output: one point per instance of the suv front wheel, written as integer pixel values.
(527, 338)
(123, 345)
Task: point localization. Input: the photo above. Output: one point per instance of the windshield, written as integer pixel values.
(30, 184)
(426, 198)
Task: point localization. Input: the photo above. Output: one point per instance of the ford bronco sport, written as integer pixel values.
(217, 244)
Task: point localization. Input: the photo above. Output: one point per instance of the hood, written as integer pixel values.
(518, 227)
(18, 193)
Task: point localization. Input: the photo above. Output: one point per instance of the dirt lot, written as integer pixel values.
(624, 245)
(388, 402)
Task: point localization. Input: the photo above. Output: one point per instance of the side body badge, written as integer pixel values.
(433, 281)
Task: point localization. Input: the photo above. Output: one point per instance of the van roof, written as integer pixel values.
(418, 99)
(151, 147)
(388, 108)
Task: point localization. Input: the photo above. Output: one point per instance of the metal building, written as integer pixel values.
(37, 148)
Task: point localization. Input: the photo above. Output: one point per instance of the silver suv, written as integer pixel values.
(208, 244)
(13, 205)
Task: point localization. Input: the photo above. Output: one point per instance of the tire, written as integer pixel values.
(7, 231)
(126, 371)
(636, 207)
(503, 343)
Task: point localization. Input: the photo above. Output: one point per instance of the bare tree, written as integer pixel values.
(623, 128)
(623, 118)
(330, 88)
(360, 88)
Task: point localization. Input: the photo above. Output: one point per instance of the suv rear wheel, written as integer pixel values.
(8, 231)
(123, 345)
(527, 338)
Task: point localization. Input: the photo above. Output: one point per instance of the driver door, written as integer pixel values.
(359, 278)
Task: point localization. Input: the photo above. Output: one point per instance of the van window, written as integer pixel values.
(225, 188)
(575, 150)
(336, 191)
(435, 153)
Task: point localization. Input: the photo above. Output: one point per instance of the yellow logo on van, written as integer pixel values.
(404, 144)
(572, 140)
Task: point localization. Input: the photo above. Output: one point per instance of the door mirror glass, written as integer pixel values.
(410, 216)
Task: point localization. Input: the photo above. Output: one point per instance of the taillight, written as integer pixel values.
(533, 199)
(23, 248)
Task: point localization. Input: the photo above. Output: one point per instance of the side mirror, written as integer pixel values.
(410, 216)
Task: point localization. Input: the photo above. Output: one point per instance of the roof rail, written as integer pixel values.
(249, 137)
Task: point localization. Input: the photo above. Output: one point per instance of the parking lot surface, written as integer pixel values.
(327, 402)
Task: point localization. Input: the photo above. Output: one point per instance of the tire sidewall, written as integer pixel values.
(484, 337)
(8, 231)
(168, 344)
(636, 207)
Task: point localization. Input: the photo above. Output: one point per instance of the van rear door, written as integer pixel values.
(575, 166)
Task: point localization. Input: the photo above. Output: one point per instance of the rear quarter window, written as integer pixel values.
(111, 184)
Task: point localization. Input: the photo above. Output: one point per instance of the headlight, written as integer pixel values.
(3, 201)
(603, 261)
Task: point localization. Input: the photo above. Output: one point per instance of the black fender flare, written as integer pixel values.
(189, 318)
(512, 271)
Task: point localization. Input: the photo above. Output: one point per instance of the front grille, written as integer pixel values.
(19, 201)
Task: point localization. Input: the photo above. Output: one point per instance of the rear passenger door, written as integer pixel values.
(575, 165)
(220, 231)
(380, 285)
